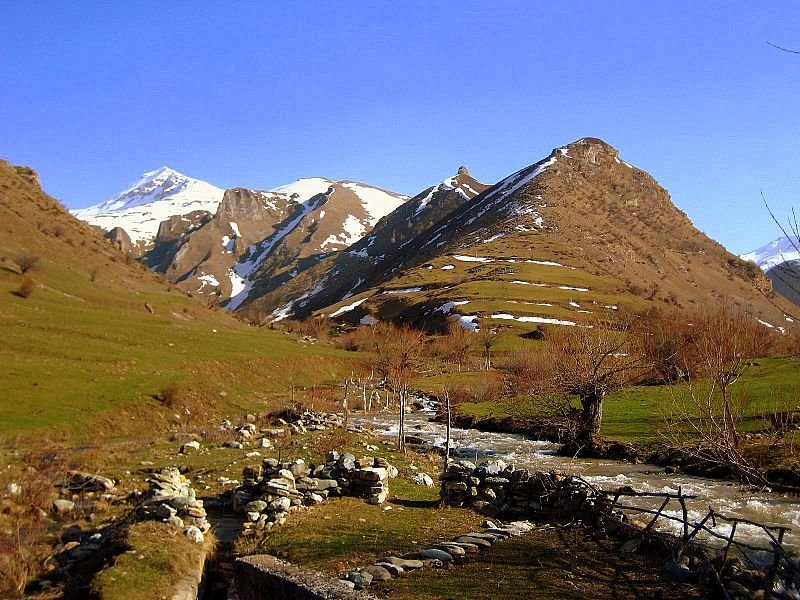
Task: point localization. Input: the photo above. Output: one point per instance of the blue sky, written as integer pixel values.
(399, 94)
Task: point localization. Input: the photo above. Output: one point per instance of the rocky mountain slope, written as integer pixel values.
(156, 196)
(264, 238)
(581, 232)
(780, 261)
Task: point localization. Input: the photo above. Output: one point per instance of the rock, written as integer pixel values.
(630, 546)
(394, 570)
(165, 511)
(465, 539)
(175, 521)
(494, 467)
(252, 472)
(258, 506)
(372, 474)
(265, 443)
(503, 533)
(407, 564)
(315, 499)
(299, 468)
(233, 444)
(359, 578)
(194, 534)
(378, 573)
(392, 471)
(435, 554)
(677, 571)
(279, 504)
(250, 418)
(422, 479)
(87, 482)
(326, 484)
(195, 445)
(469, 548)
(63, 506)
(348, 584)
(489, 537)
(453, 548)
(14, 489)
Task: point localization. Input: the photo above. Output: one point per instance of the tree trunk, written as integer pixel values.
(401, 433)
(447, 440)
(591, 418)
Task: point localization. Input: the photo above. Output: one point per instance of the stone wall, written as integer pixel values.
(496, 489)
(265, 576)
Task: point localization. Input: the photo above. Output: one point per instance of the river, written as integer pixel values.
(726, 497)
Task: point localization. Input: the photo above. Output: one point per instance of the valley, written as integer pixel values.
(253, 332)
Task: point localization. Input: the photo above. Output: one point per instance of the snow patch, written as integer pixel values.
(410, 290)
(529, 319)
(448, 267)
(464, 258)
(348, 307)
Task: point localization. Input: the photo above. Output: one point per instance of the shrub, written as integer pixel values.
(27, 262)
(26, 288)
(169, 394)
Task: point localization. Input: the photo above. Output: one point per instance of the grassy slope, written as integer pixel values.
(636, 414)
(79, 348)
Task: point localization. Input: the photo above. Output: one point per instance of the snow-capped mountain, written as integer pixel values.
(779, 251)
(155, 197)
(255, 235)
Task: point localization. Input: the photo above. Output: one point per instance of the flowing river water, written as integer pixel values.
(725, 497)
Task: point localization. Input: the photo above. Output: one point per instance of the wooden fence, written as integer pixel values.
(782, 573)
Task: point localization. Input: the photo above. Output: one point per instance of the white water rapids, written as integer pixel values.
(728, 498)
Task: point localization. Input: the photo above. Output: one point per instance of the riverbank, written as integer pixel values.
(783, 474)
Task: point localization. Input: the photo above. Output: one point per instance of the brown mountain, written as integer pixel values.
(577, 233)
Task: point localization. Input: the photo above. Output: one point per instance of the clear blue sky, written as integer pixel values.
(398, 94)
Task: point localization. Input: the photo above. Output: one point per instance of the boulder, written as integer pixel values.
(88, 482)
(378, 573)
(63, 506)
(407, 564)
(435, 554)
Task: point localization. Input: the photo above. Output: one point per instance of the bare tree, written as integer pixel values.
(459, 342)
(589, 362)
(707, 419)
(401, 353)
(486, 340)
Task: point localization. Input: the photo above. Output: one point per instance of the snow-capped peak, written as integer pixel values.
(154, 197)
(775, 253)
(305, 188)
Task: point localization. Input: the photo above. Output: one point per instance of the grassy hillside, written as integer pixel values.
(98, 332)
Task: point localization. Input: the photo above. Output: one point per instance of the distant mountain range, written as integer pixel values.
(780, 261)
(578, 233)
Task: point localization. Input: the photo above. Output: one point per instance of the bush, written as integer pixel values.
(26, 288)
(169, 394)
(27, 262)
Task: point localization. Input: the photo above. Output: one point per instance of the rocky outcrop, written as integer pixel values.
(120, 238)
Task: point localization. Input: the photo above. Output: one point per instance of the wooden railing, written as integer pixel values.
(770, 557)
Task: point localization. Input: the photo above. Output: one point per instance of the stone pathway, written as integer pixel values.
(436, 555)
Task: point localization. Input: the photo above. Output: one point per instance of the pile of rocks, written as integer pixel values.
(495, 488)
(171, 499)
(436, 555)
(272, 490)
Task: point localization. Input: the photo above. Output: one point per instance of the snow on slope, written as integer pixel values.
(775, 253)
(377, 202)
(156, 196)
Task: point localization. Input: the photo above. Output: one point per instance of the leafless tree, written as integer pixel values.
(588, 362)
(706, 419)
(401, 353)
